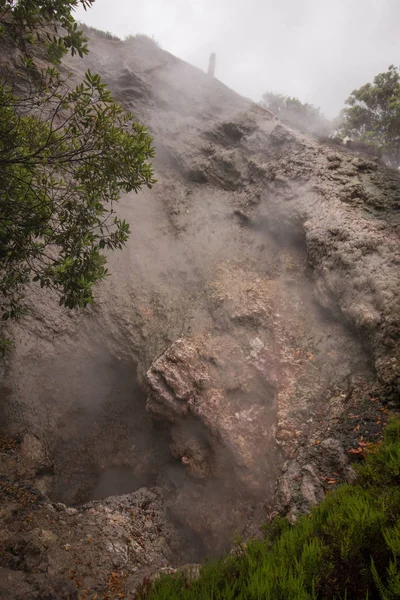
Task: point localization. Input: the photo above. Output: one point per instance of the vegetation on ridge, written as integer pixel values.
(348, 548)
(107, 35)
(371, 116)
(301, 116)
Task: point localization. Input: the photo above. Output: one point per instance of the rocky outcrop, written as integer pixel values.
(198, 380)
(256, 307)
(49, 550)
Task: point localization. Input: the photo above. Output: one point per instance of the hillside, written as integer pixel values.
(244, 346)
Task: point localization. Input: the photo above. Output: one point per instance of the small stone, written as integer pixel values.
(334, 157)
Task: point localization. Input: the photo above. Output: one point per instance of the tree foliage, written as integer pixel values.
(302, 116)
(144, 39)
(48, 24)
(373, 114)
(66, 154)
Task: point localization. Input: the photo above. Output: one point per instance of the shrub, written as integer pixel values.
(98, 32)
(145, 39)
(302, 116)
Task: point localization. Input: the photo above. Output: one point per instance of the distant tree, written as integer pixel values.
(302, 116)
(66, 154)
(373, 114)
(144, 38)
(98, 32)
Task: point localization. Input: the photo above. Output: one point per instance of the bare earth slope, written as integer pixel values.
(236, 357)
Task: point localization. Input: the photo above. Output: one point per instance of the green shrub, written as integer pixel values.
(347, 549)
(6, 346)
(382, 467)
(142, 37)
(98, 32)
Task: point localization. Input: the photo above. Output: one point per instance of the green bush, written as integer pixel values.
(347, 549)
(142, 37)
(98, 32)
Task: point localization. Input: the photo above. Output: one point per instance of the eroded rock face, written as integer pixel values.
(214, 381)
(256, 306)
(49, 550)
(32, 587)
(243, 400)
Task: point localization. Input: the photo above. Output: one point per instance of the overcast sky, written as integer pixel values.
(317, 50)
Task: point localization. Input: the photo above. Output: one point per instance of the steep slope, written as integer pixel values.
(244, 338)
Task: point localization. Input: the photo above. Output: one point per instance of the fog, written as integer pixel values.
(317, 51)
(198, 268)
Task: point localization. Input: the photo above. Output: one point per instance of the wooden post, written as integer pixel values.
(211, 64)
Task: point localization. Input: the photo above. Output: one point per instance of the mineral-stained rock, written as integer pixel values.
(214, 415)
(259, 292)
(16, 585)
(122, 534)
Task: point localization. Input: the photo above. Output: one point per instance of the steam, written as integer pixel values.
(212, 257)
(310, 50)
